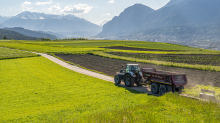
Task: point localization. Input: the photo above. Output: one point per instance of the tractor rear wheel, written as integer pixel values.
(117, 79)
(162, 89)
(129, 80)
(155, 88)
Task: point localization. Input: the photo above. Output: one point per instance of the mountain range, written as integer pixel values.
(31, 33)
(185, 15)
(55, 23)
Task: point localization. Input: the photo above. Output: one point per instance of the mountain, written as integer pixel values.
(31, 33)
(2, 26)
(14, 35)
(3, 18)
(54, 23)
(127, 21)
(193, 13)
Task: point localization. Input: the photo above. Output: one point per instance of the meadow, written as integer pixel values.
(38, 90)
(34, 89)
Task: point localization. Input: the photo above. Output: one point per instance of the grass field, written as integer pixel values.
(6, 53)
(38, 90)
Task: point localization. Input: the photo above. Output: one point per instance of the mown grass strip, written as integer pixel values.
(170, 64)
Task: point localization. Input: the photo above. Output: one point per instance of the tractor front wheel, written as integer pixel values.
(129, 80)
(117, 79)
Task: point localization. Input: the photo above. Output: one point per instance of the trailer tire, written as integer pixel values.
(162, 89)
(129, 80)
(117, 79)
(155, 88)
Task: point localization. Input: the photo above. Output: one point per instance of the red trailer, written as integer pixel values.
(163, 81)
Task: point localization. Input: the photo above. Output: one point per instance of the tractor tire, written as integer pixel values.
(163, 89)
(155, 88)
(129, 80)
(117, 79)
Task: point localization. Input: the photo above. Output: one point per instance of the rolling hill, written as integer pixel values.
(14, 35)
(31, 33)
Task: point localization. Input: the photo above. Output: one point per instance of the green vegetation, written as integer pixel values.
(38, 90)
(92, 46)
(6, 53)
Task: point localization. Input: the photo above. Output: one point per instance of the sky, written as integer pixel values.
(95, 11)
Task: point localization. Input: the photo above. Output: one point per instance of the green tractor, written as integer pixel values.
(130, 75)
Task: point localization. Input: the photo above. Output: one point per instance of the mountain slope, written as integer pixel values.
(176, 13)
(2, 26)
(3, 18)
(31, 33)
(127, 21)
(14, 35)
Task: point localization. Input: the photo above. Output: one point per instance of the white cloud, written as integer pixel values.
(111, 1)
(25, 5)
(102, 22)
(43, 3)
(54, 8)
(77, 9)
(106, 14)
(41, 18)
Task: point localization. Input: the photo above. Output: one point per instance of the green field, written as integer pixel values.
(35, 89)
(6, 53)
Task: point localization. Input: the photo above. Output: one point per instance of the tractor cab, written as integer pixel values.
(133, 68)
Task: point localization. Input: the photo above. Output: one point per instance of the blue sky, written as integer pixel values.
(95, 11)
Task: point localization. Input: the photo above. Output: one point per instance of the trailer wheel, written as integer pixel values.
(155, 88)
(117, 79)
(129, 80)
(162, 89)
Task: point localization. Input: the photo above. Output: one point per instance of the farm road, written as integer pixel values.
(90, 73)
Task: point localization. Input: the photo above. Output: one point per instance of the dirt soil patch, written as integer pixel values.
(213, 60)
(110, 66)
(137, 49)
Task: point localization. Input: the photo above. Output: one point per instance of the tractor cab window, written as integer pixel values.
(135, 68)
(127, 68)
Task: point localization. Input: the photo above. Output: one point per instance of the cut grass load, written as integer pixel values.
(38, 90)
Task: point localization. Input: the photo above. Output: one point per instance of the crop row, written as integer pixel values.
(213, 60)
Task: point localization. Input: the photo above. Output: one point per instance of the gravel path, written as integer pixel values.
(92, 74)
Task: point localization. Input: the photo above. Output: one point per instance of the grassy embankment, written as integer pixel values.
(37, 90)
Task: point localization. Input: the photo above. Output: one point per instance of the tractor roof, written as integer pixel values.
(133, 64)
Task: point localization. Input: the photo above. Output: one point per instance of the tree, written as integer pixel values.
(5, 37)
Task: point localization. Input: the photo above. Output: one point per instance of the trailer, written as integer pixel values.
(160, 81)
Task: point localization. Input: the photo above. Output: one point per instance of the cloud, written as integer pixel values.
(106, 14)
(77, 9)
(111, 1)
(41, 18)
(25, 5)
(43, 3)
(54, 8)
(102, 22)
